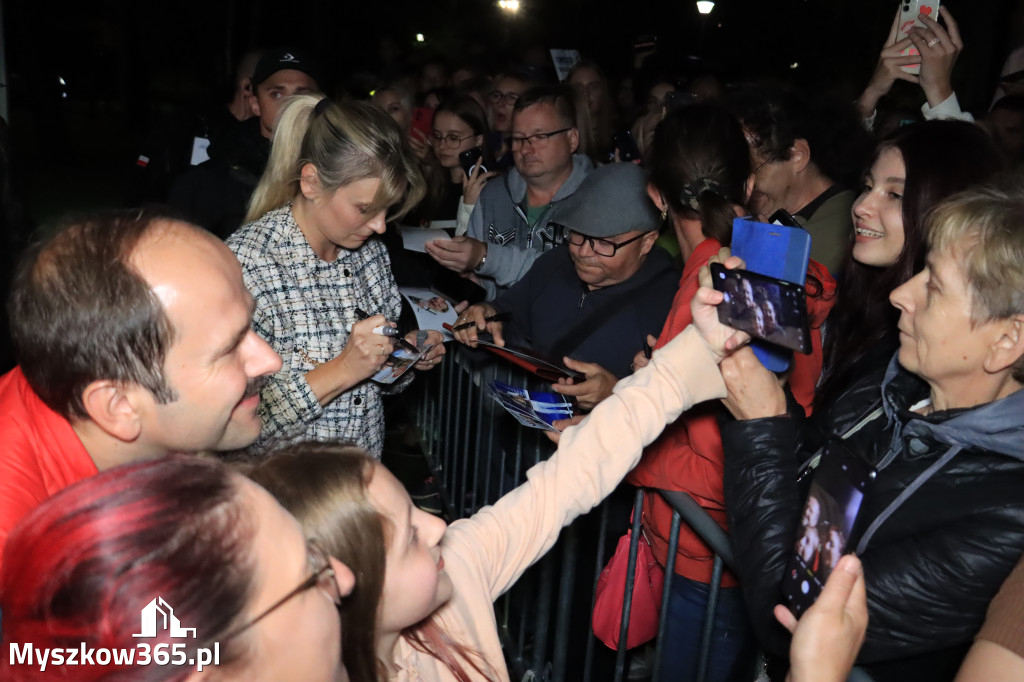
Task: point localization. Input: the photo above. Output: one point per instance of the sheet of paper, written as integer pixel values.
(432, 311)
(414, 238)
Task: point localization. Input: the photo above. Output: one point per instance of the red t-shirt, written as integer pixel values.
(40, 454)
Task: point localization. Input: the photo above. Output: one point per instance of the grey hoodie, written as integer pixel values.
(997, 427)
(499, 219)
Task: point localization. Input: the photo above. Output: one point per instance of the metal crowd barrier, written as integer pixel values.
(477, 453)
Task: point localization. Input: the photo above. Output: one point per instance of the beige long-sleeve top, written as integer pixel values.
(486, 553)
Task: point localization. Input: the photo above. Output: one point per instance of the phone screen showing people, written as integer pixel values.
(833, 502)
(767, 308)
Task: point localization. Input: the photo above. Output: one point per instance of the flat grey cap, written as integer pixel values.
(612, 200)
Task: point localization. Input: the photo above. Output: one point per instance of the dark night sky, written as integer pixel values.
(124, 60)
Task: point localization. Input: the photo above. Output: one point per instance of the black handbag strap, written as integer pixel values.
(568, 342)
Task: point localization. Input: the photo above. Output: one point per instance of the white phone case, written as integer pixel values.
(909, 11)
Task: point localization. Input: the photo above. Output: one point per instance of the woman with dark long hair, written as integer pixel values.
(460, 124)
(912, 171)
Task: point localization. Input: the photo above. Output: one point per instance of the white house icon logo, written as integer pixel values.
(158, 615)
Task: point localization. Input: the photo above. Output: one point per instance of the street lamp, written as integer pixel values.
(705, 6)
(511, 6)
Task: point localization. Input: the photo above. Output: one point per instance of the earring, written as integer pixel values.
(664, 213)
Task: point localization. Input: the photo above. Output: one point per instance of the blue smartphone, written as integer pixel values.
(778, 250)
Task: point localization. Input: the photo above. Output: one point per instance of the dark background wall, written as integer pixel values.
(125, 62)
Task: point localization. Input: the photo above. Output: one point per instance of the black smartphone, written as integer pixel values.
(784, 217)
(468, 159)
(765, 307)
(833, 502)
(627, 146)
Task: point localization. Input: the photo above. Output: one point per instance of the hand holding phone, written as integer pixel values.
(765, 307)
(626, 146)
(833, 503)
(468, 159)
(910, 11)
(423, 121)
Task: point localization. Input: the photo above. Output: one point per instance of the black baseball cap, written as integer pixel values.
(283, 58)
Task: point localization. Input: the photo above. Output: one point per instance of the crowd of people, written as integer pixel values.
(192, 424)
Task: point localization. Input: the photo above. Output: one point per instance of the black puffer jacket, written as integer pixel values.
(932, 560)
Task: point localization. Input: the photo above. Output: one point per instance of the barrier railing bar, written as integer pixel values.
(588, 661)
(709, 618)
(570, 547)
(627, 600)
(542, 618)
(666, 595)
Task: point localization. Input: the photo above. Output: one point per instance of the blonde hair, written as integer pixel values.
(984, 227)
(345, 142)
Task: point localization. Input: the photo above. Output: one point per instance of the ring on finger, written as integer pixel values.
(933, 42)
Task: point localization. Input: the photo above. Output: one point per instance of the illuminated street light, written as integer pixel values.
(509, 5)
(419, 38)
(705, 6)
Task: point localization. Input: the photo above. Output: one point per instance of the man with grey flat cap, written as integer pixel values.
(591, 301)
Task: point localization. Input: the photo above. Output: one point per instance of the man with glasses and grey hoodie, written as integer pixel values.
(516, 216)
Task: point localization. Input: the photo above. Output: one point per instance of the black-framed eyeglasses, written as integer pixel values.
(602, 247)
(536, 141)
(499, 96)
(323, 577)
(450, 139)
(762, 165)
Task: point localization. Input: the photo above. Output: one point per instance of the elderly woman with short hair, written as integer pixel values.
(943, 523)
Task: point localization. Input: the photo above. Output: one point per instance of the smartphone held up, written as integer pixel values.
(468, 159)
(765, 307)
(910, 11)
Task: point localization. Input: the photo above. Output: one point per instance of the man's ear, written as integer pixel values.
(254, 104)
(656, 197)
(799, 155)
(1008, 346)
(113, 407)
(309, 181)
(574, 139)
(647, 243)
